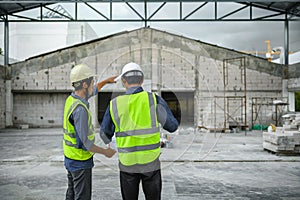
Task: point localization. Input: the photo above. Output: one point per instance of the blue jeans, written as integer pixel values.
(79, 185)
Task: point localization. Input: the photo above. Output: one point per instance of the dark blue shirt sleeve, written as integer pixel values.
(107, 127)
(165, 116)
(80, 120)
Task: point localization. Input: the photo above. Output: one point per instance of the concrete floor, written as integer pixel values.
(199, 166)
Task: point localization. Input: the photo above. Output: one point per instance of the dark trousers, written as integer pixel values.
(79, 185)
(151, 183)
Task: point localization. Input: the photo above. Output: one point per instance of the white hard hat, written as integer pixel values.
(80, 72)
(127, 68)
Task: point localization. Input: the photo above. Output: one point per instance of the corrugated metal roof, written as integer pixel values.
(11, 8)
(287, 7)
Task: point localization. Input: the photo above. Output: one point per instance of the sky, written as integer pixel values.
(248, 36)
(243, 36)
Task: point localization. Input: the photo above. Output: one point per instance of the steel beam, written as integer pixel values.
(6, 42)
(286, 41)
(143, 16)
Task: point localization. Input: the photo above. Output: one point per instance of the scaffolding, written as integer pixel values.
(266, 110)
(234, 106)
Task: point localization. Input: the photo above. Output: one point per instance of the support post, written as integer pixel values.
(286, 41)
(6, 42)
(145, 10)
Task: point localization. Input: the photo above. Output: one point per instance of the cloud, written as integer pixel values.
(249, 36)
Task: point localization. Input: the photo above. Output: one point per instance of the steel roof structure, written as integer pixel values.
(9, 10)
(283, 11)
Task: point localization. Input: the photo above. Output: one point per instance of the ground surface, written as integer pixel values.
(199, 166)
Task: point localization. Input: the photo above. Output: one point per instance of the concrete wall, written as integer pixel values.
(38, 97)
(2, 97)
(41, 110)
(170, 63)
(294, 77)
(293, 84)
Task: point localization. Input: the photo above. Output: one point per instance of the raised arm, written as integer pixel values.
(104, 82)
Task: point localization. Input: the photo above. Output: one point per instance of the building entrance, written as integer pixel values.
(181, 105)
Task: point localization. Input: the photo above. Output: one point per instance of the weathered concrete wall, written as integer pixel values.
(52, 79)
(294, 84)
(294, 71)
(2, 97)
(170, 63)
(38, 109)
(38, 97)
(294, 78)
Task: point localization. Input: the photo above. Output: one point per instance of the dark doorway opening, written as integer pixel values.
(182, 106)
(103, 102)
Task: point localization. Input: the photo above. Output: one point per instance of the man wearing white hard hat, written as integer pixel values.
(78, 141)
(134, 120)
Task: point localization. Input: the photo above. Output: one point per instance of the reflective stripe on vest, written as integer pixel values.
(136, 128)
(71, 149)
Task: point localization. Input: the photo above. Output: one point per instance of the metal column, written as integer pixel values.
(6, 42)
(286, 40)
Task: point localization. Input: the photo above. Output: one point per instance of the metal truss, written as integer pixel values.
(151, 11)
(147, 11)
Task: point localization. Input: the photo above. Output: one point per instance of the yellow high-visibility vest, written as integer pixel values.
(136, 128)
(69, 142)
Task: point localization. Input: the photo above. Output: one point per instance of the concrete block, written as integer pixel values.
(281, 142)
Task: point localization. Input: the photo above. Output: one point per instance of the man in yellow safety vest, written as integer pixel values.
(134, 120)
(78, 141)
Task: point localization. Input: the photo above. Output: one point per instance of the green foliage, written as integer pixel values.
(297, 101)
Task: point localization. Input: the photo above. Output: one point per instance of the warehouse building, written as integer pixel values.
(205, 85)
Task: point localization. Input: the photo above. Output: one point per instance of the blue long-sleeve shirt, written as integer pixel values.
(164, 116)
(79, 119)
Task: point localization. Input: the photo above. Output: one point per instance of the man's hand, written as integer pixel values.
(106, 152)
(109, 152)
(104, 82)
